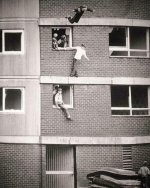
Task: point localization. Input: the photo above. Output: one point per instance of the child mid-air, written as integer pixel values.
(78, 13)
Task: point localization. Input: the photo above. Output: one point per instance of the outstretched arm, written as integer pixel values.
(71, 48)
(89, 9)
(86, 56)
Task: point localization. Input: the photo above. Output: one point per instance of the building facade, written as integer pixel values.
(108, 102)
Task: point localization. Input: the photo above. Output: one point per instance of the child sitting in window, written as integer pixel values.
(60, 104)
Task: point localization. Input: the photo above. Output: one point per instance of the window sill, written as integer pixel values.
(131, 116)
(62, 49)
(130, 57)
(67, 106)
(12, 112)
(17, 53)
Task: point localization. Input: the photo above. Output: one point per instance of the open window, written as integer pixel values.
(11, 41)
(129, 41)
(130, 100)
(12, 99)
(61, 37)
(67, 95)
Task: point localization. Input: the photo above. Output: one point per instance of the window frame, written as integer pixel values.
(3, 42)
(127, 47)
(22, 100)
(130, 108)
(70, 37)
(71, 96)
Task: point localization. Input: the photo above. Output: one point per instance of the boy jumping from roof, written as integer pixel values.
(80, 51)
(78, 13)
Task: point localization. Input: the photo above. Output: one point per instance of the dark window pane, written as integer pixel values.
(12, 41)
(117, 37)
(137, 38)
(13, 99)
(1, 41)
(66, 94)
(139, 96)
(140, 112)
(119, 96)
(1, 98)
(120, 112)
(141, 54)
(119, 53)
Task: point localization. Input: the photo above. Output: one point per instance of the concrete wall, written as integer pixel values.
(27, 122)
(19, 8)
(27, 63)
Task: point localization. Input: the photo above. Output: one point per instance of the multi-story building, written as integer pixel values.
(108, 102)
(20, 152)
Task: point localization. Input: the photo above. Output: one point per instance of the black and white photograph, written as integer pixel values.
(74, 93)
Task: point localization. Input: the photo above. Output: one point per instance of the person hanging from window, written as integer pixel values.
(78, 13)
(60, 104)
(80, 51)
(144, 173)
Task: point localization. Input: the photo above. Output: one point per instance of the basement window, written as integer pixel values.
(11, 41)
(129, 42)
(67, 95)
(11, 99)
(61, 37)
(130, 100)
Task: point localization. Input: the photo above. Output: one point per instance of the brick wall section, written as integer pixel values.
(136, 9)
(20, 166)
(58, 63)
(140, 153)
(91, 115)
(92, 158)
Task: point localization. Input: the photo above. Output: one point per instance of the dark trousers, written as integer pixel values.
(65, 110)
(144, 182)
(78, 15)
(74, 68)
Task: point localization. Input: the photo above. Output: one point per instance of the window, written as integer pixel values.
(130, 100)
(67, 95)
(11, 99)
(61, 37)
(11, 41)
(130, 42)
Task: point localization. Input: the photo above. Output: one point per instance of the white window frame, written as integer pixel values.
(71, 97)
(3, 42)
(127, 47)
(70, 36)
(22, 100)
(130, 108)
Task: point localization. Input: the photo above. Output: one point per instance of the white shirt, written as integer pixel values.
(79, 53)
(58, 98)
